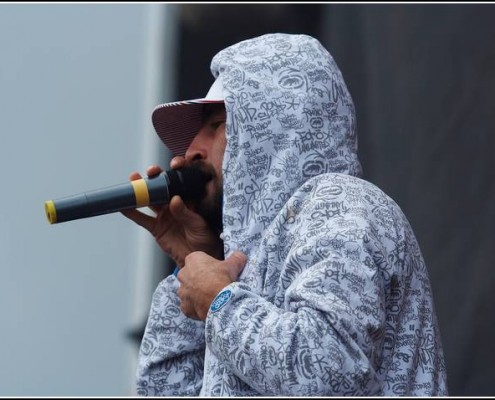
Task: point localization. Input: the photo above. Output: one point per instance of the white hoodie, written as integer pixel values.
(335, 297)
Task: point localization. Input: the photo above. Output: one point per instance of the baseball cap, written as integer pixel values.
(178, 123)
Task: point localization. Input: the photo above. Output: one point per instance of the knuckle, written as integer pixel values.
(190, 257)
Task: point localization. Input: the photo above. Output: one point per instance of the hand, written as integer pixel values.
(177, 229)
(203, 277)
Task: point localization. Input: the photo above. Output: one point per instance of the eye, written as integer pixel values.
(217, 123)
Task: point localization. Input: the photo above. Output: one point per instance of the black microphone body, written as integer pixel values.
(187, 182)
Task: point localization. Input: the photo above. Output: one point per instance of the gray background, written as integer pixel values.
(77, 85)
(73, 117)
(423, 79)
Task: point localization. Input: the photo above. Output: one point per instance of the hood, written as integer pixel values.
(290, 118)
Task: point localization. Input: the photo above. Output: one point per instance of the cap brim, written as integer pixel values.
(178, 123)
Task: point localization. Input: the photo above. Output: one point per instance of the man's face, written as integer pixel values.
(207, 150)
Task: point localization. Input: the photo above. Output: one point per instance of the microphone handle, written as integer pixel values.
(139, 193)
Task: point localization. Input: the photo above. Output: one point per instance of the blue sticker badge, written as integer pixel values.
(221, 299)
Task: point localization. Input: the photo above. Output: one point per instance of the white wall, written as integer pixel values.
(73, 106)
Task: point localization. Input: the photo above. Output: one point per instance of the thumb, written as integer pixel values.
(182, 214)
(235, 263)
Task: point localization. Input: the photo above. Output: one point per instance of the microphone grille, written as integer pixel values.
(188, 182)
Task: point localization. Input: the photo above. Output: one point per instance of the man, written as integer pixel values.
(296, 277)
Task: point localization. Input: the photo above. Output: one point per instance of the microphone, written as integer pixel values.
(187, 182)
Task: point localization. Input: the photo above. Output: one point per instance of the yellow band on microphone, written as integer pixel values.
(51, 211)
(141, 192)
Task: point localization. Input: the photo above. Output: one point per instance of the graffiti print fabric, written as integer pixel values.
(335, 297)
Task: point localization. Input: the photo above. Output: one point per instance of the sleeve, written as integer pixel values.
(171, 356)
(326, 337)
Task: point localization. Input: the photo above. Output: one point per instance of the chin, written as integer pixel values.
(209, 205)
(210, 208)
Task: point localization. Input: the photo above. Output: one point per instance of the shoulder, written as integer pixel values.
(344, 203)
(330, 185)
(341, 190)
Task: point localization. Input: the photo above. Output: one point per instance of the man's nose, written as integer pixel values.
(195, 152)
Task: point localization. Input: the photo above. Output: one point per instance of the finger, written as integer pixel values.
(177, 162)
(188, 310)
(184, 215)
(135, 176)
(142, 219)
(153, 170)
(235, 264)
(186, 305)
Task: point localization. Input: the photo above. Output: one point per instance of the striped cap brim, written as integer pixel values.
(178, 123)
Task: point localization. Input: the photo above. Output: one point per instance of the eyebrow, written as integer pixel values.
(210, 110)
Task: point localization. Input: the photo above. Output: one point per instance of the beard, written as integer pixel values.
(209, 198)
(210, 208)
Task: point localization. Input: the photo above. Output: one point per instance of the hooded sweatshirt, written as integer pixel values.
(335, 297)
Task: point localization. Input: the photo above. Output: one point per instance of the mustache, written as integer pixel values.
(196, 174)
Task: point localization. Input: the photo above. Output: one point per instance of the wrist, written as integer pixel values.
(214, 291)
